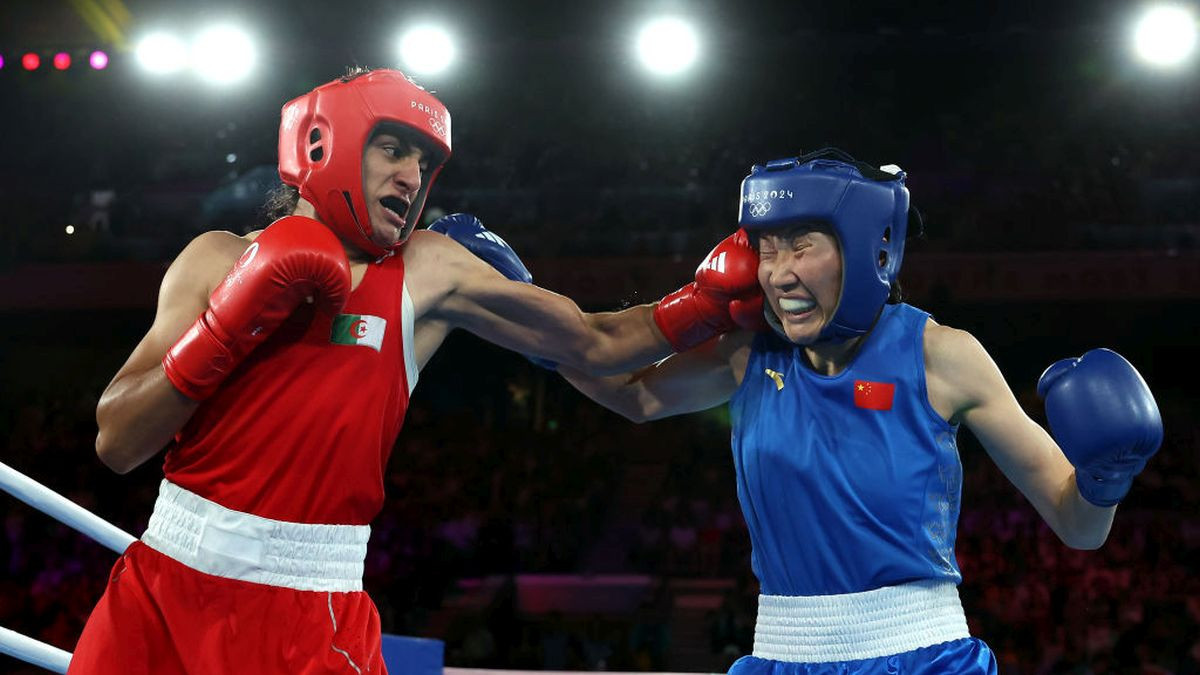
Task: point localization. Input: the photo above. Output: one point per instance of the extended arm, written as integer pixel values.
(533, 321)
(964, 380)
(690, 381)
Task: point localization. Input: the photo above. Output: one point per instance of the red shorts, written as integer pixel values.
(161, 617)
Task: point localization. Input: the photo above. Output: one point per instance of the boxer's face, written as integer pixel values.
(800, 270)
(392, 172)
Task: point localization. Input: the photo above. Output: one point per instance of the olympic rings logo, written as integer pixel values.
(759, 209)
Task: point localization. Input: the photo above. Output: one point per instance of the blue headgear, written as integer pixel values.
(867, 209)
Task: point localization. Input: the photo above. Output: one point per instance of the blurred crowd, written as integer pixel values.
(520, 476)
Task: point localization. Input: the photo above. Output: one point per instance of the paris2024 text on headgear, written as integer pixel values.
(321, 139)
(867, 208)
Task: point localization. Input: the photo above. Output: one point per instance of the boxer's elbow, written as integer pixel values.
(1083, 540)
(123, 452)
(636, 404)
(622, 395)
(634, 413)
(1085, 534)
(116, 456)
(136, 418)
(630, 410)
(1083, 543)
(112, 447)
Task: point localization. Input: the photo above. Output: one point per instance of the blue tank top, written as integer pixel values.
(849, 482)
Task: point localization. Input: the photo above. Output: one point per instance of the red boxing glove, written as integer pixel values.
(724, 296)
(295, 257)
(748, 313)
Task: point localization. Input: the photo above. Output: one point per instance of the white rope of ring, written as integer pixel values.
(33, 651)
(63, 510)
(71, 514)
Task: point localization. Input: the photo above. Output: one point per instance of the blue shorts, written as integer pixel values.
(968, 655)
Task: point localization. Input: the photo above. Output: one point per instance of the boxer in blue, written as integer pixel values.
(845, 412)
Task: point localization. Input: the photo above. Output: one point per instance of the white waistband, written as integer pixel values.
(215, 540)
(852, 626)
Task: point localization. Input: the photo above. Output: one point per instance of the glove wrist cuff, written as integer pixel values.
(1102, 492)
(681, 322)
(198, 361)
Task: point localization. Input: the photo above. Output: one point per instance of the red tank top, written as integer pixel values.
(302, 430)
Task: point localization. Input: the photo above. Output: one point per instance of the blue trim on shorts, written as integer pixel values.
(968, 656)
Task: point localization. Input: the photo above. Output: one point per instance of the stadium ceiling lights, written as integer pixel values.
(161, 53)
(97, 59)
(223, 55)
(667, 45)
(220, 54)
(426, 50)
(1165, 35)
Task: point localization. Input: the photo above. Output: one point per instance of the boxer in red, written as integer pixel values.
(281, 364)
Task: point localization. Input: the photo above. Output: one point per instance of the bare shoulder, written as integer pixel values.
(424, 248)
(433, 267)
(430, 255)
(206, 260)
(949, 348)
(958, 370)
(217, 244)
(185, 291)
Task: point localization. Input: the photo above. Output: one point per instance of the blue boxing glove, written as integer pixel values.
(487, 246)
(490, 248)
(1104, 418)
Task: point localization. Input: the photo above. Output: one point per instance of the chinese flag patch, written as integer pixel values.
(873, 395)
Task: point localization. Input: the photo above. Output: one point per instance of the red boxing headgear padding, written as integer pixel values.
(322, 135)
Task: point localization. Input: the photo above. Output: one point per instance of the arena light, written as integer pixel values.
(62, 61)
(1165, 35)
(223, 54)
(98, 60)
(1, 61)
(426, 50)
(667, 45)
(31, 61)
(161, 53)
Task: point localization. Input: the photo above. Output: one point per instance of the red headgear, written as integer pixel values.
(322, 136)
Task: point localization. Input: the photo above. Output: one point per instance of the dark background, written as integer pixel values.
(1034, 144)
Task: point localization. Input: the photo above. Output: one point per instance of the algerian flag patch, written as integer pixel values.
(358, 329)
